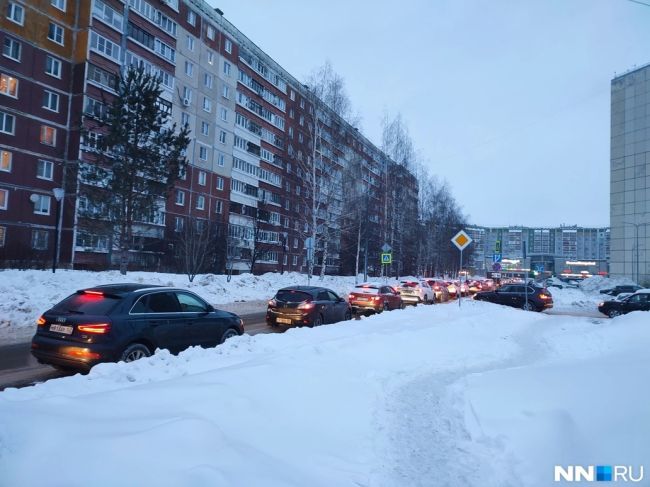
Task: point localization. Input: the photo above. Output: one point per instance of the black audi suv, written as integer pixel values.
(127, 322)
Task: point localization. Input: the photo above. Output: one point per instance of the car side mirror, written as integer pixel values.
(341, 300)
(210, 308)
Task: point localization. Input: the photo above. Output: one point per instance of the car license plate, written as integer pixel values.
(285, 321)
(61, 329)
(361, 298)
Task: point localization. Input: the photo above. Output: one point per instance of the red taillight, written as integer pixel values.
(351, 296)
(96, 293)
(40, 321)
(96, 328)
(273, 303)
(376, 298)
(544, 296)
(306, 306)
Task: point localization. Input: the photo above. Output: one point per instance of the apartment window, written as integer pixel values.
(180, 197)
(11, 49)
(187, 95)
(55, 33)
(291, 113)
(202, 178)
(222, 136)
(207, 104)
(210, 32)
(179, 223)
(191, 17)
(205, 128)
(8, 86)
(203, 153)
(39, 239)
(105, 46)
(44, 169)
(292, 95)
(219, 207)
(210, 57)
(207, 80)
(302, 120)
(3, 232)
(221, 159)
(295, 243)
(51, 101)
(7, 123)
(225, 92)
(53, 66)
(60, 4)
(228, 46)
(226, 68)
(185, 118)
(4, 199)
(190, 43)
(16, 13)
(5, 160)
(48, 135)
(302, 103)
(294, 260)
(220, 183)
(42, 205)
(200, 202)
(224, 114)
(189, 68)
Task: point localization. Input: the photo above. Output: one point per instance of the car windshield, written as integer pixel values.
(292, 296)
(409, 284)
(91, 304)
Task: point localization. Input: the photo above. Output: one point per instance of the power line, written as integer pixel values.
(639, 2)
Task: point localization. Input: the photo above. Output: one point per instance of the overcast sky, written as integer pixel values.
(509, 101)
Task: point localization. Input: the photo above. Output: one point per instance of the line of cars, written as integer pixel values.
(625, 299)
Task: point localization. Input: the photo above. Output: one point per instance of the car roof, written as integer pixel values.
(642, 291)
(308, 289)
(369, 284)
(124, 288)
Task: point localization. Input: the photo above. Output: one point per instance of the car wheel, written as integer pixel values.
(348, 316)
(528, 307)
(385, 307)
(317, 321)
(402, 305)
(135, 351)
(229, 333)
(614, 313)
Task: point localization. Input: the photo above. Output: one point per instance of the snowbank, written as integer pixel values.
(479, 395)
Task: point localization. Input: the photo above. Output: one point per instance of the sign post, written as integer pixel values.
(461, 240)
(386, 259)
(309, 245)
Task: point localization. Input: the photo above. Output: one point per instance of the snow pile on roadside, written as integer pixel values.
(573, 299)
(596, 283)
(480, 395)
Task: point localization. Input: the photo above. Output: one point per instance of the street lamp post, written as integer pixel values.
(636, 243)
(58, 196)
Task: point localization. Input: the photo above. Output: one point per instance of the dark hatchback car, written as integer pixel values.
(639, 301)
(127, 322)
(514, 295)
(626, 288)
(306, 305)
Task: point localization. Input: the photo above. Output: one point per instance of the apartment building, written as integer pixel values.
(251, 141)
(568, 250)
(630, 175)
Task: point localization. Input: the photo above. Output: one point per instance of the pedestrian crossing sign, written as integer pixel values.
(386, 258)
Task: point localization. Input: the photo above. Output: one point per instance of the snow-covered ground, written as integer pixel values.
(480, 395)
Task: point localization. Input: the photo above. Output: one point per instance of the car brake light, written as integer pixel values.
(544, 296)
(307, 306)
(376, 298)
(40, 321)
(82, 352)
(96, 293)
(96, 328)
(273, 303)
(350, 296)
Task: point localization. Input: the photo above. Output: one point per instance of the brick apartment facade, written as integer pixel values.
(249, 147)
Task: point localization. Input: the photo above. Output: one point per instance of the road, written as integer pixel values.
(19, 369)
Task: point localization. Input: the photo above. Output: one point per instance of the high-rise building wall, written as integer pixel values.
(250, 141)
(630, 175)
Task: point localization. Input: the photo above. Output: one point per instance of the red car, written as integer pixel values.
(374, 297)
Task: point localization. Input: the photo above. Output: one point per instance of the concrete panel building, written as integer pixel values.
(630, 175)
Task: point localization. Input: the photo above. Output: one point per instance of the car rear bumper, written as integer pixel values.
(80, 356)
(275, 318)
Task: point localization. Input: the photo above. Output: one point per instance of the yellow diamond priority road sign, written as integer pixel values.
(461, 240)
